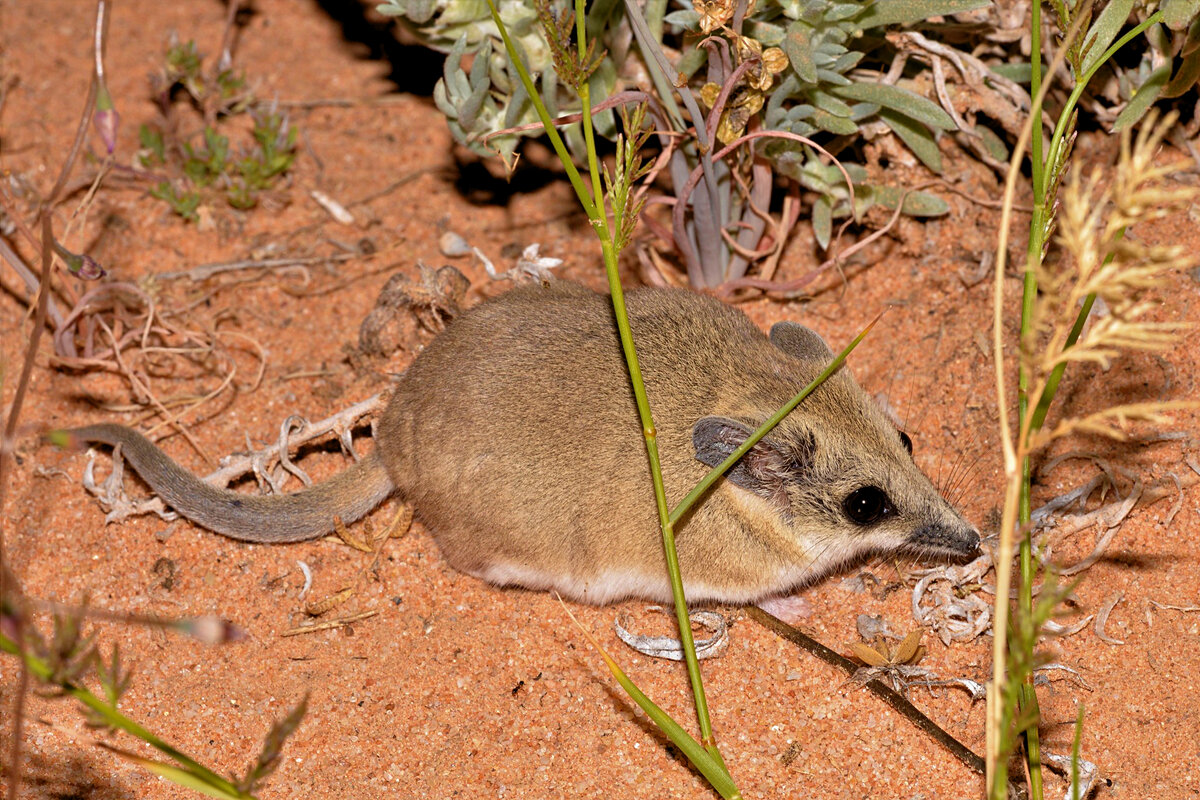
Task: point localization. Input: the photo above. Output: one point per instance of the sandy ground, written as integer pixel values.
(455, 688)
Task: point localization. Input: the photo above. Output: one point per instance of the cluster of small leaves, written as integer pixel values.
(559, 27)
(69, 653)
(114, 681)
(69, 659)
(210, 166)
(833, 196)
(224, 93)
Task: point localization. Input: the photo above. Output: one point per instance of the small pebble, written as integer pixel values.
(453, 246)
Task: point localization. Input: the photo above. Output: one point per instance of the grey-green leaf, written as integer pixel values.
(847, 61)
(910, 104)
(861, 111)
(442, 101)
(831, 78)
(1146, 94)
(1178, 14)
(827, 102)
(1185, 78)
(468, 112)
(421, 11)
(798, 47)
(802, 111)
(994, 145)
(916, 136)
(765, 33)
(840, 11)
(906, 12)
(916, 204)
(822, 221)
(1104, 31)
(1017, 71)
(691, 61)
(684, 18)
(834, 124)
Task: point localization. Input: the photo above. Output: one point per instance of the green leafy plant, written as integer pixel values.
(182, 201)
(777, 66)
(772, 66)
(211, 166)
(66, 662)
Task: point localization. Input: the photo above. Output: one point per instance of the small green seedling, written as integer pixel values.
(214, 165)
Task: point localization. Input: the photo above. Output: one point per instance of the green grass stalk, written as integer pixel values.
(998, 717)
(1046, 172)
(711, 768)
(609, 242)
(1081, 84)
(1028, 703)
(610, 239)
(594, 207)
(1076, 746)
(585, 100)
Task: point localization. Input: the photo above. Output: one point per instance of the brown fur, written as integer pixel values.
(515, 435)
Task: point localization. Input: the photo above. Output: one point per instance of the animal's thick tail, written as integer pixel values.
(253, 518)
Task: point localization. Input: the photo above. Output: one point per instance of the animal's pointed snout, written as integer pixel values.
(956, 539)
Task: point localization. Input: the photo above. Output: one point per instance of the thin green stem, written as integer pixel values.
(1076, 743)
(1056, 140)
(1044, 171)
(585, 101)
(1033, 747)
(1043, 407)
(1033, 257)
(1024, 508)
(650, 434)
(588, 201)
(594, 207)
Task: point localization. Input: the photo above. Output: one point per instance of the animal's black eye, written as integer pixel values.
(867, 505)
(906, 441)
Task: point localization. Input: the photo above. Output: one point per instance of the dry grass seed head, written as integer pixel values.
(1101, 260)
(1117, 269)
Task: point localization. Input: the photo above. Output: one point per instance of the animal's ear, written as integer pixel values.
(762, 470)
(800, 342)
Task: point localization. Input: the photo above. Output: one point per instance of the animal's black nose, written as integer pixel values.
(959, 540)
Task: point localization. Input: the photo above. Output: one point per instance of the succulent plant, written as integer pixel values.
(488, 97)
(808, 78)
